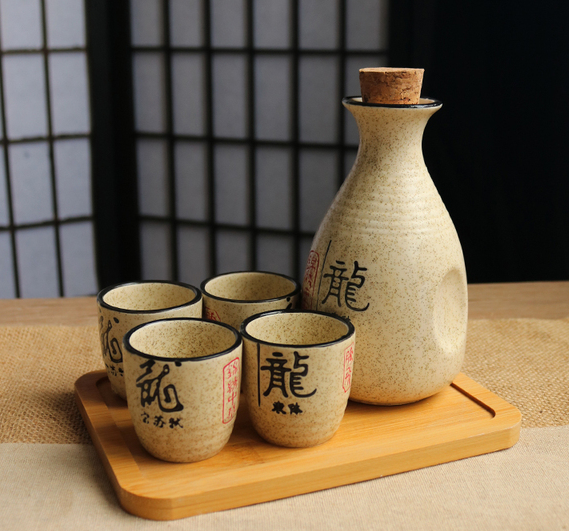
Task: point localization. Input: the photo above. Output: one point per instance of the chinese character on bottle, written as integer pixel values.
(344, 288)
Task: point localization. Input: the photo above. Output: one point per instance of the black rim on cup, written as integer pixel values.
(247, 335)
(127, 337)
(294, 292)
(107, 290)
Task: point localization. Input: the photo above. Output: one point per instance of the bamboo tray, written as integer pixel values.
(461, 421)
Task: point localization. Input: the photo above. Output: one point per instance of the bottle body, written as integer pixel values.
(387, 256)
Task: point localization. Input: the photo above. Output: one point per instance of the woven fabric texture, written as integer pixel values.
(38, 367)
(524, 361)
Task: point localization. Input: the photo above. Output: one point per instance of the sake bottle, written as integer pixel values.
(387, 255)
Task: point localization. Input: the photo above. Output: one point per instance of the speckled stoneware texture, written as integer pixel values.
(125, 306)
(232, 297)
(297, 375)
(183, 379)
(387, 256)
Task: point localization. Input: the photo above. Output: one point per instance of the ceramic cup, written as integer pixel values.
(232, 297)
(183, 378)
(298, 374)
(125, 306)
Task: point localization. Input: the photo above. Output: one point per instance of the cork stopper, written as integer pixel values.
(391, 85)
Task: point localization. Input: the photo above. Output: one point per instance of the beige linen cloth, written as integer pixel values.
(55, 480)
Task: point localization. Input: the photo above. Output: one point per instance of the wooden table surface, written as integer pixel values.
(541, 300)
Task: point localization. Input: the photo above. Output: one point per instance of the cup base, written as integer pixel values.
(297, 442)
(188, 456)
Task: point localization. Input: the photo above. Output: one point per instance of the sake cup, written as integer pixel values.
(125, 306)
(183, 379)
(297, 374)
(232, 297)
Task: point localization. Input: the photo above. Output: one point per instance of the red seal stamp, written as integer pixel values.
(348, 368)
(309, 281)
(212, 315)
(230, 390)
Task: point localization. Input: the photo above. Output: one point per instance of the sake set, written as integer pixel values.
(256, 388)
(386, 262)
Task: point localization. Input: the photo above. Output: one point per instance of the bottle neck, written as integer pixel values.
(391, 135)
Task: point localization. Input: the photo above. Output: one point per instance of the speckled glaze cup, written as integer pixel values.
(232, 297)
(298, 374)
(125, 306)
(183, 379)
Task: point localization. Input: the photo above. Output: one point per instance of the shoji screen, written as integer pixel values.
(46, 225)
(241, 138)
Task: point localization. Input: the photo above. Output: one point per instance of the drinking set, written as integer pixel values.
(183, 358)
(386, 261)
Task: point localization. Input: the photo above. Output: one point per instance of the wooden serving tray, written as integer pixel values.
(461, 421)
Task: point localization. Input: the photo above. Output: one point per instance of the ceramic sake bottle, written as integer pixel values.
(387, 256)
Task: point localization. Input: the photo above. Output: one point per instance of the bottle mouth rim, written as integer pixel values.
(424, 103)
